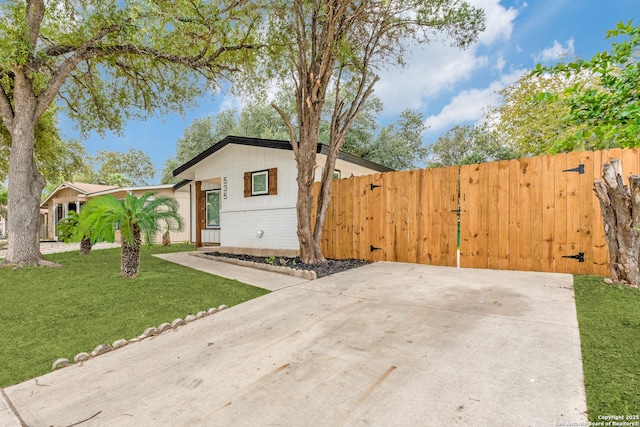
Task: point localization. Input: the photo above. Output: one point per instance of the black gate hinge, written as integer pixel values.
(374, 186)
(579, 169)
(373, 248)
(579, 256)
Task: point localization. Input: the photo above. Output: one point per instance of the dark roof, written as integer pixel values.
(277, 144)
(180, 184)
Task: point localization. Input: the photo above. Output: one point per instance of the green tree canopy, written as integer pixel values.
(532, 125)
(134, 167)
(610, 111)
(465, 145)
(105, 62)
(399, 145)
(57, 159)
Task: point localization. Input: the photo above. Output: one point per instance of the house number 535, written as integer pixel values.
(224, 188)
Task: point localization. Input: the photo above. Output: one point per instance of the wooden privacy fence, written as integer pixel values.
(534, 214)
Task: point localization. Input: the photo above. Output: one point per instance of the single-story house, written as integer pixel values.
(71, 196)
(244, 190)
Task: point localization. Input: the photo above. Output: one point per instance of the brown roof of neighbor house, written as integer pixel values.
(83, 187)
(80, 187)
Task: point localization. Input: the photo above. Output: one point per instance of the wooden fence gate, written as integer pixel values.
(532, 214)
(405, 216)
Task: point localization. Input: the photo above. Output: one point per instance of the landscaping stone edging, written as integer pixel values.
(149, 332)
(303, 274)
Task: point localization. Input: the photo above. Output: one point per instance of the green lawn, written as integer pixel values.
(48, 313)
(609, 320)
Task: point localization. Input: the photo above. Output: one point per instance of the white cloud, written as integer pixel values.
(556, 52)
(429, 72)
(438, 67)
(500, 63)
(499, 21)
(469, 105)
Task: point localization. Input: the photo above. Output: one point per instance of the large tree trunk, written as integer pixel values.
(324, 197)
(310, 252)
(620, 207)
(25, 181)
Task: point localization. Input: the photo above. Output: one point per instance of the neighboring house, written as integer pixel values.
(71, 196)
(244, 191)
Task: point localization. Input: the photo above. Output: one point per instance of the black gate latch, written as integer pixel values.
(373, 248)
(579, 256)
(374, 186)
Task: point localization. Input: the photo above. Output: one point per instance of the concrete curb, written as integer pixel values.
(8, 416)
(303, 274)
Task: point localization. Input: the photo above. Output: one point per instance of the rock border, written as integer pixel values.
(303, 274)
(149, 332)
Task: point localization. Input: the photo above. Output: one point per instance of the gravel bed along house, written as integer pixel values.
(332, 266)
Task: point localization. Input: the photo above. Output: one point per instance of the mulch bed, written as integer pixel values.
(332, 266)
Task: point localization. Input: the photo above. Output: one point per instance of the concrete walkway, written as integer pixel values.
(388, 344)
(260, 278)
(54, 247)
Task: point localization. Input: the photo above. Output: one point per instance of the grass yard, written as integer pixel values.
(48, 313)
(609, 321)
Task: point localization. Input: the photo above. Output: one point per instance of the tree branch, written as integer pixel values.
(35, 14)
(6, 110)
(292, 131)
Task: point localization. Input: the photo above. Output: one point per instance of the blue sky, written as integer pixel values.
(450, 87)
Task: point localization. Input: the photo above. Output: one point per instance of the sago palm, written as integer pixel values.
(68, 230)
(137, 218)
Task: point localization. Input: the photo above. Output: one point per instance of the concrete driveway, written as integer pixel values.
(388, 344)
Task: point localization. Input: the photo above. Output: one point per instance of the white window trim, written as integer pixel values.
(266, 177)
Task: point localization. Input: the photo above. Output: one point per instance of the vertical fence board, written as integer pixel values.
(560, 227)
(587, 213)
(348, 199)
(524, 216)
(450, 220)
(482, 260)
(437, 227)
(514, 220)
(356, 218)
(465, 216)
(548, 213)
(338, 215)
(388, 226)
(373, 216)
(573, 212)
(420, 227)
(599, 242)
(536, 232)
(493, 216)
(426, 240)
(405, 186)
(503, 215)
(629, 159)
(413, 195)
(469, 249)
